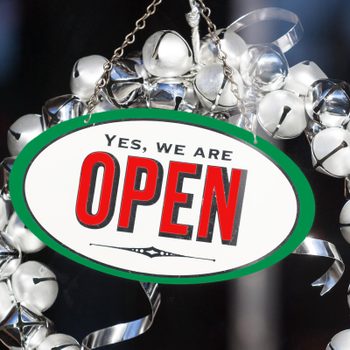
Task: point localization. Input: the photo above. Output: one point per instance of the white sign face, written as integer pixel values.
(160, 198)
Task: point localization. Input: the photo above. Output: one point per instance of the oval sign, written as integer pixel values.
(162, 196)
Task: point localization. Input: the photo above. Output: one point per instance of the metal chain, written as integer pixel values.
(222, 56)
(129, 39)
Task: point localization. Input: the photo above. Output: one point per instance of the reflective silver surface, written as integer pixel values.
(5, 170)
(23, 130)
(18, 235)
(62, 108)
(128, 330)
(125, 86)
(35, 285)
(167, 54)
(319, 248)
(264, 67)
(328, 102)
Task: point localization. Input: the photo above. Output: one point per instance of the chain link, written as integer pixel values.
(222, 56)
(129, 39)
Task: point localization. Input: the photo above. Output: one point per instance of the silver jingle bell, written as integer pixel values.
(167, 94)
(344, 221)
(24, 130)
(328, 102)
(302, 76)
(232, 44)
(167, 54)
(282, 115)
(214, 90)
(125, 85)
(86, 73)
(24, 328)
(62, 108)
(59, 341)
(10, 259)
(313, 129)
(6, 301)
(103, 105)
(331, 152)
(340, 341)
(264, 67)
(6, 210)
(35, 285)
(18, 235)
(5, 171)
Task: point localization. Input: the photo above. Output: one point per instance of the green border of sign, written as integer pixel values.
(295, 175)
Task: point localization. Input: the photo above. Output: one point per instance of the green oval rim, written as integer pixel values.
(301, 186)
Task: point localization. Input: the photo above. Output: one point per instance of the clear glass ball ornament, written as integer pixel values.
(214, 90)
(330, 150)
(125, 86)
(35, 285)
(282, 115)
(6, 211)
(302, 76)
(167, 54)
(59, 341)
(264, 67)
(10, 258)
(86, 73)
(340, 341)
(24, 130)
(328, 102)
(18, 235)
(62, 108)
(344, 221)
(5, 171)
(232, 44)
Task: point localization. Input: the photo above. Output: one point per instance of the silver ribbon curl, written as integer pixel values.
(286, 41)
(128, 330)
(321, 248)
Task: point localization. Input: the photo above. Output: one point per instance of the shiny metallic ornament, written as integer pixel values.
(18, 235)
(167, 94)
(85, 75)
(344, 221)
(5, 170)
(302, 76)
(282, 115)
(313, 129)
(6, 210)
(232, 44)
(104, 105)
(10, 259)
(328, 102)
(214, 89)
(24, 130)
(264, 67)
(24, 328)
(167, 54)
(340, 341)
(62, 108)
(35, 285)
(125, 85)
(59, 341)
(331, 152)
(7, 301)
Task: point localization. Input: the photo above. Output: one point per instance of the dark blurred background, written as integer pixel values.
(276, 309)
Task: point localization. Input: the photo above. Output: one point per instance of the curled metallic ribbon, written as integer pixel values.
(286, 41)
(320, 248)
(128, 330)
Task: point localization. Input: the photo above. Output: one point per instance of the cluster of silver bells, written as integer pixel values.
(286, 101)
